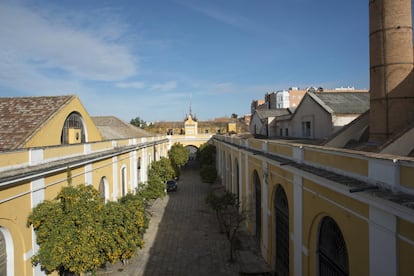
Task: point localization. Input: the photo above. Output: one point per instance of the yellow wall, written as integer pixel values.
(338, 161)
(407, 176)
(355, 230)
(50, 133)
(14, 158)
(405, 249)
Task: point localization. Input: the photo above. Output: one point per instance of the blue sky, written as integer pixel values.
(150, 58)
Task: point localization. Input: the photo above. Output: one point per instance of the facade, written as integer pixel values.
(321, 114)
(262, 120)
(55, 136)
(323, 211)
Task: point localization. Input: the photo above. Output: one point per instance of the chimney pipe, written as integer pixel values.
(391, 65)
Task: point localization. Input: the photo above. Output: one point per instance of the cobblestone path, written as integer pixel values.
(183, 237)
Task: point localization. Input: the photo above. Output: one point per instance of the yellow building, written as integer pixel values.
(323, 211)
(41, 139)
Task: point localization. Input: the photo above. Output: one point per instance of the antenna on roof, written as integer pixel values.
(191, 95)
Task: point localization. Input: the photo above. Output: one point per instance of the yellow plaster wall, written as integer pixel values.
(405, 247)
(355, 230)
(407, 176)
(255, 144)
(14, 190)
(13, 217)
(101, 146)
(276, 179)
(101, 169)
(59, 152)
(335, 160)
(280, 149)
(14, 158)
(54, 184)
(50, 133)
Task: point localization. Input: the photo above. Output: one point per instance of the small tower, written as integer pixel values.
(190, 124)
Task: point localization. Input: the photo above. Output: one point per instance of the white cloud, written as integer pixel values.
(170, 85)
(134, 84)
(45, 51)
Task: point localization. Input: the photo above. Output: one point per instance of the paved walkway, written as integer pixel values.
(183, 238)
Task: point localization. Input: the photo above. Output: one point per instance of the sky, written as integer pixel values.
(154, 59)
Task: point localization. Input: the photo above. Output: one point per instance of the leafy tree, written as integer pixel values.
(162, 168)
(78, 232)
(208, 173)
(179, 156)
(69, 231)
(234, 116)
(207, 154)
(153, 189)
(229, 216)
(138, 122)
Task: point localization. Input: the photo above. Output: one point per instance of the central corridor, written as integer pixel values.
(183, 237)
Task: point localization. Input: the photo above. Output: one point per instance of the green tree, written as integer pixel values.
(207, 154)
(69, 231)
(178, 156)
(234, 116)
(138, 122)
(229, 215)
(163, 168)
(78, 232)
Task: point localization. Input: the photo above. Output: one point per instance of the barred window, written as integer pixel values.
(73, 131)
(332, 252)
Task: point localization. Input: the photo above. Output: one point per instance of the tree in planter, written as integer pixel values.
(208, 173)
(178, 155)
(229, 216)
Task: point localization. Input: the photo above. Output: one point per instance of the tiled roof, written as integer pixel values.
(21, 117)
(342, 102)
(114, 128)
(266, 113)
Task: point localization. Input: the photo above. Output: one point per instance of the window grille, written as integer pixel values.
(73, 130)
(258, 205)
(332, 252)
(282, 233)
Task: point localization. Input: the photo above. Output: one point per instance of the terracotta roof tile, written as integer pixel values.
(21, 117)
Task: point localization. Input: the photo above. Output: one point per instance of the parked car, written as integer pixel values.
(172, 185)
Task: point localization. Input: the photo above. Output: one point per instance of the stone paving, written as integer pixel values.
(183, 238)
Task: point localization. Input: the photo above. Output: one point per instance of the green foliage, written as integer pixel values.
(162, 168)
(228, 215)
(178, 156)
(78, 233)
(207, 154)
(138, 122)
(154, 188)
(208, 173)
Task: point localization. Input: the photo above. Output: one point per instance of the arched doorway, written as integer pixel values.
(332, 252)
(6, 253)
(281, 232)
(104, 189)
(237, 181)
(124, 181)
(257, 205)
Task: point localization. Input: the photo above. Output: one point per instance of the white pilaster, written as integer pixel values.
(297, 225)
(382, 243)
(265, 212)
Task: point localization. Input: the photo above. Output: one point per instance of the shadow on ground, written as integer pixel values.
(184, 239)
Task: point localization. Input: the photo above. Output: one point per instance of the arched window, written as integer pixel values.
(237, 181)
(73, 131)
(103, 189)
(3, 255)
(332, 252)
(258, 205)
(124, 181)
(282, 232)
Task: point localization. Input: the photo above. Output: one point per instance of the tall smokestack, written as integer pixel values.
(391, 65)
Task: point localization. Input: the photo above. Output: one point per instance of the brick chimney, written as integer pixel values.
(391, 66)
